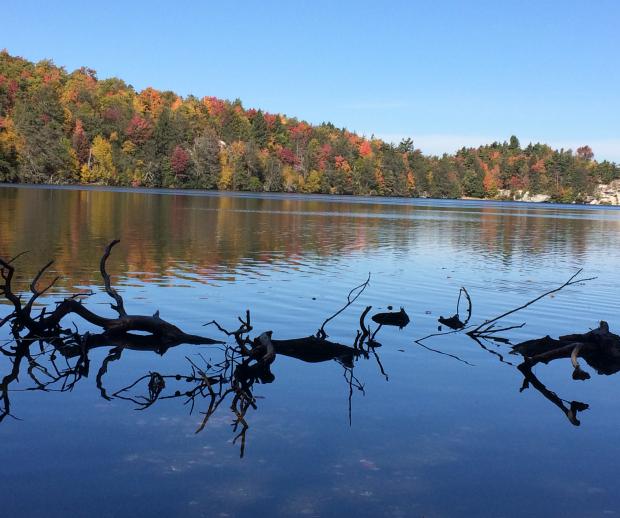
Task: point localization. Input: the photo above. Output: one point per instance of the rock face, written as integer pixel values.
(536, 198)
(604, 194)
(607, 194)
(507, 194)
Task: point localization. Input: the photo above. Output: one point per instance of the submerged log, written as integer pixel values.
(48, 323)
(453, 322)
(600, 348)
(315, 350)
(398, 319)
(159, 344)
(570, 409)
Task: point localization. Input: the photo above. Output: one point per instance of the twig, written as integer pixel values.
(445, 354)
(469, 305)
(487, 326)
(119, 307)
(358, 290)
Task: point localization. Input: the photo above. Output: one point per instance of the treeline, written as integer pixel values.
(59, 127)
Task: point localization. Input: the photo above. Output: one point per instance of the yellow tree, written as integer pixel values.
(103, 169)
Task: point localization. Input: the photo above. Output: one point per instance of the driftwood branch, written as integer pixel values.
(240, 333)
(454, 322)
(351, 298)
(48, 321)
(600, 348)
(489, 326)
(62, 358)
(119, 307)
(569, 409)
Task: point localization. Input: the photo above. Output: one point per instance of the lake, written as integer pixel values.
(402, 430)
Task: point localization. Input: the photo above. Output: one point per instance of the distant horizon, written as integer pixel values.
(446, 76)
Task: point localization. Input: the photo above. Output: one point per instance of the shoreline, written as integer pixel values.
(350, 198)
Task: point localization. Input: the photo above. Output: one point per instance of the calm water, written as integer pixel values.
(432, 437)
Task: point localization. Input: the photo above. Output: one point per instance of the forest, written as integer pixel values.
(58, 127)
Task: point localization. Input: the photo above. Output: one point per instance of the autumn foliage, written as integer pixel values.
(60, 127)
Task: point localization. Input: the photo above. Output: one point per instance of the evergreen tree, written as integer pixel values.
(46, 153)
(206, 160)
(260, 129)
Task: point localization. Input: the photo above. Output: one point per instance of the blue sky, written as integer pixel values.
(445, 73)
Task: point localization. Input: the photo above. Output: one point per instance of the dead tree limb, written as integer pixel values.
(569, 409)
(419, 342)
(311, 349)
(489, 326)
(240, 333)
(351, 298)
(48, 322)
(119, 307)
(454, 322)
(600, 348)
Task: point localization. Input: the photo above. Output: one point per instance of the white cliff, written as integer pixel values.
(607, 194)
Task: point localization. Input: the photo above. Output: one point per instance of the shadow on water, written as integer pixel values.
(598, 347)
(55, 358)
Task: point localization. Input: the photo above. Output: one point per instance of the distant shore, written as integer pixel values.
(350, 198)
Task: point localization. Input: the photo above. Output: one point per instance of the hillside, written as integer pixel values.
(60, 127)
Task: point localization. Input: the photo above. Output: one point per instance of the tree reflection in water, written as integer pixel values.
(598, 347)
(55, 358)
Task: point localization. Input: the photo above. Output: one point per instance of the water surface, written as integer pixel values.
(434, 436)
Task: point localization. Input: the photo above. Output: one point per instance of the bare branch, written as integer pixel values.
(6, 272)
(119, 307)
(463, 291)
(487, 326)
(351, 298)
(36, 293)
(443, 353)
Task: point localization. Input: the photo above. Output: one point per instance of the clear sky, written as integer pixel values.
(446, 73)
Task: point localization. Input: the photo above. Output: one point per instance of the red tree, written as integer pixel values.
(288, 157)
(139, 130)
(79, 141)
(179, 160)
(365, 148)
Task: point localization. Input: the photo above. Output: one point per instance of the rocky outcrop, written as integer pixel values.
(607, 194)
(536, 198)
(507, 194)
(604, 194)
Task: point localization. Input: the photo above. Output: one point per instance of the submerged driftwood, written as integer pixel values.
(56, 358)
(398, 319)
(600, 349)
(48, 321)
(315, 350)
(454, 322)
(250, 360)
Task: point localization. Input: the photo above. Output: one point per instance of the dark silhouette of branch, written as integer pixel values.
(351, 298)
(487, 327)
(570, 411)
(49, 321)
(119, 307)
(239, 333)
(419, 342)
(454, 322)
(479, 339)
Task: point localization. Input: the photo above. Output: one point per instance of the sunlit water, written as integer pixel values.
(434, 437)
